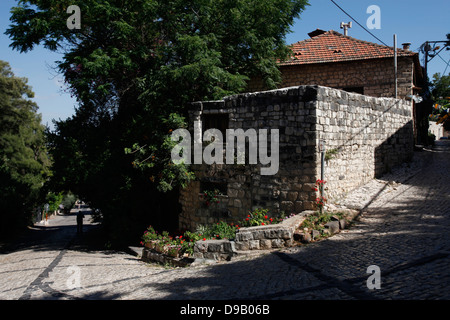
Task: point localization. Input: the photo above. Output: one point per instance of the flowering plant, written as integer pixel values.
(259, 217)
(149, 235)
(211, 196)
(174, 250)
(223, 230)
(321, 200)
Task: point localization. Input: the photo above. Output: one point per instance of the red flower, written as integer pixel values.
(246, 219)
(204, 239)
(262, 223)
(265, 217)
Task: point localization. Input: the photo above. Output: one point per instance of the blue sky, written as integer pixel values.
(413, 21)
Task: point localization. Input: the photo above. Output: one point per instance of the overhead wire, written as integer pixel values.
(447, 63)
(358, 23)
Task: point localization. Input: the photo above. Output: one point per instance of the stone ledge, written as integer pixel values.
(271, 236)
(214, 249)
(148, 255)
(251, 238)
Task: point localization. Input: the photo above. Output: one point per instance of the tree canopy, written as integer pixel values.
(134, 66)
(441, 96)
(24, 164)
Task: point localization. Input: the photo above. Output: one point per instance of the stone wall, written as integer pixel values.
(366, 137)
(291, 189)
(375, 76)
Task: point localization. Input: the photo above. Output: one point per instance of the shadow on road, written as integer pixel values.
(407, 237)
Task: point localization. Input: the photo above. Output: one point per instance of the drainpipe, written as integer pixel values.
(322, 166)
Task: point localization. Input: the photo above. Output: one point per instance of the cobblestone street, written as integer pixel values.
(404, 230)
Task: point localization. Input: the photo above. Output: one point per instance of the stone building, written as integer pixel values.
(334, 60)
(365, 136)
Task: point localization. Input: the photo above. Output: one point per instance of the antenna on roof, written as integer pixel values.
(346, 26)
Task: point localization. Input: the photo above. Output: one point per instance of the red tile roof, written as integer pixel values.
(332, 46)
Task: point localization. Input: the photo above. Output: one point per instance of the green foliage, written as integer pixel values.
(259, 217)
(440, 89)
(331, 153)
(441, 95)
(211, 196)
(134, 67)
(24, 164)
(54, 200)
(317, 220)
(68, 201)
(221, 230)
(150, 234)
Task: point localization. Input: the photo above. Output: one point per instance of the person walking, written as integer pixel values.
(80, 217)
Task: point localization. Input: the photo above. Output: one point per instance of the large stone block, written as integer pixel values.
(265, 244)
(333, 226)
(242, 245)
(201, 246)
(254, 245)
(277, 243)
(244, 236)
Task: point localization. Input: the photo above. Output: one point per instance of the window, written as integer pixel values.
(210, 185)
(359, 90)
(215, 121)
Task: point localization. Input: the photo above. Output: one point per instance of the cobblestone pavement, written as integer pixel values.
(404, 230)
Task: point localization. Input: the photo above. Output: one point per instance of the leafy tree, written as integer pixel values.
(68, 202)
(24, 164)
(54, 200)
(441, 96)
(134, 66)
(440, 88)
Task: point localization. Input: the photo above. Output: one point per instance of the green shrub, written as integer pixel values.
(68, 202)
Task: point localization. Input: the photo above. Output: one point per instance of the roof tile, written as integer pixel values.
(332, 46)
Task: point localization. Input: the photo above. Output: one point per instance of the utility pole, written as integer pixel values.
(426, 49)
(395, 67)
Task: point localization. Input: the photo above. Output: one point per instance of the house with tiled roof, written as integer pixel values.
(334, 60)
(331, 59)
